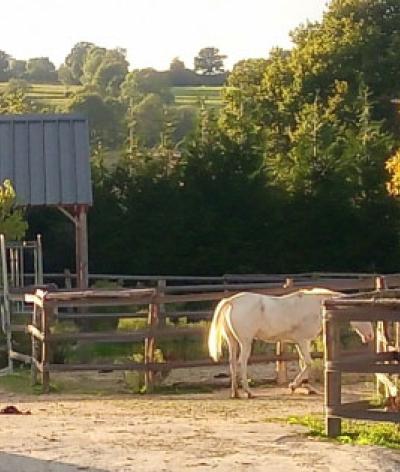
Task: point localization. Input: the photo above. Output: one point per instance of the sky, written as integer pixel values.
(152, 31)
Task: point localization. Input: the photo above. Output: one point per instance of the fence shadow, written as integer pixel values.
(19, 463)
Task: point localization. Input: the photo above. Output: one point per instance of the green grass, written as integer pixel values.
(194, 95)
(353, 432)
(55, 95)
(19, 382)
(52, 95)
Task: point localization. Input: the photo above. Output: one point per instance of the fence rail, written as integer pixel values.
(155, 302)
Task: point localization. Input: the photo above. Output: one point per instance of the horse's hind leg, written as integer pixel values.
(233, 353)
(245, 349)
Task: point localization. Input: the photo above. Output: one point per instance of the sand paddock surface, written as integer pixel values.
(199, 432)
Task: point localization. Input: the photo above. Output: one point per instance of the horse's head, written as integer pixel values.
(364, 329)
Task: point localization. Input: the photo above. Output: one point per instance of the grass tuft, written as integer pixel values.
(353, 432)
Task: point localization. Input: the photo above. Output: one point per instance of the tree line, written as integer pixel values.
(90, 64)
(296, 171)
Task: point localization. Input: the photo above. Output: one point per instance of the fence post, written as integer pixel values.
(162, 312)
(333, 380)
(381, 335)
(67, 279)
(149, 347)
(47, 316)
(35, 346)
(281, 366)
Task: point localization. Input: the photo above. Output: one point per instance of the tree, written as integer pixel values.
(17, 68)
(75, 61)
(65, 75)
(41, 69)
(209, 61)
(149, 115)
(105, 69)
(105, 117)
(152, 81)
(4, 66)
(12, 223)
(177, 65)
(131, 92)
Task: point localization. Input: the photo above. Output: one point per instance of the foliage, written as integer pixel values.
(393, 167)
(283, 171)
(4, 66)
(40, 69)
(209, 61)
(15, 101)
(354, 432)
(72, 70)
(104, 116)
(105, 69)
(12, 223)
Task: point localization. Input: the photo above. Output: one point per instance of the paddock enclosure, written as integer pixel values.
(169, 308)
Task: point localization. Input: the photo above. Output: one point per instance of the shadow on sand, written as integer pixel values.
(18, 463)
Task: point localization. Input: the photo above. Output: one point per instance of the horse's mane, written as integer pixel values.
(319, 291)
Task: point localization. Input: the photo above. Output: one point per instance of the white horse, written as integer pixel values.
(294, 318)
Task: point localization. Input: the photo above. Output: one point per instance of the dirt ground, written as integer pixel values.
(199, 432)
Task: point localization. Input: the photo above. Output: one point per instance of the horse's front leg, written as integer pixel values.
(245, 350)
(303, 348)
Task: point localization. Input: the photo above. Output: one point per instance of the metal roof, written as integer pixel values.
(46, 157)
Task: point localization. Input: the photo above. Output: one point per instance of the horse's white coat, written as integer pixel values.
(294, 318)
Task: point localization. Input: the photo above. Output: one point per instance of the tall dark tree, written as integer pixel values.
(209, 61)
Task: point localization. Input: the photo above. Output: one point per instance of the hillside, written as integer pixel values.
(55, 95)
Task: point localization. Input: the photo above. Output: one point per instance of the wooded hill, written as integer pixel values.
(289, 171)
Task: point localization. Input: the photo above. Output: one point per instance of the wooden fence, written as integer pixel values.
(379, 306)
(65, 304)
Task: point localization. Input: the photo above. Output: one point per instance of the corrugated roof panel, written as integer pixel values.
(52, 163)
(47, 158)
(37, 168)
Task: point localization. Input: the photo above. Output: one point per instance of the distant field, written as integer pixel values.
(194, 95)
(48, 94)
(56, 94)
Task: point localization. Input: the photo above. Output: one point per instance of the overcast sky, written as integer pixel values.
(152, 31)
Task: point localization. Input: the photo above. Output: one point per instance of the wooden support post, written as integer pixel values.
(6, 302)
(35, 346)
(162, 312)
(333, 381)
(81, 247)
(39, 256)
(382, 339)
(47, 316)
(149, 348)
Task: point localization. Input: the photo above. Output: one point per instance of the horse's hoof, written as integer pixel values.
(235, 396)
(250, 395)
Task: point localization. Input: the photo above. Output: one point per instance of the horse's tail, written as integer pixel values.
(222, 310)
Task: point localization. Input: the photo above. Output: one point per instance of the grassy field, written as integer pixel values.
(55, 95)
(195, 95)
